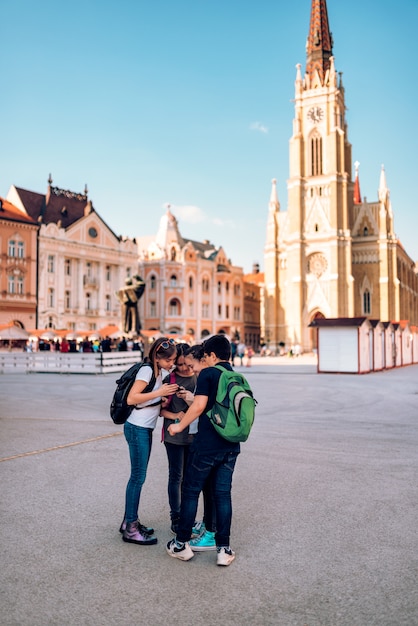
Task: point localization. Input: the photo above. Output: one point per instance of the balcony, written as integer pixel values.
(89, 282)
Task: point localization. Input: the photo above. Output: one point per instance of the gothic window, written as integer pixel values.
(152, 281)
(365, 231)
(366, 302)
(316, 155)
(173, 281)
(205, 284)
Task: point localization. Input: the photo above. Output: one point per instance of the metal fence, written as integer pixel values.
(66, 363)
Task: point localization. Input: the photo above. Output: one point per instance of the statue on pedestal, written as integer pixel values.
(129, 297)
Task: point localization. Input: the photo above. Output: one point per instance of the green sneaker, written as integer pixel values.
(204, 542)
(198, 529)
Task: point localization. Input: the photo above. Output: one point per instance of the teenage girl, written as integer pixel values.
(138, 433)
(177, 447)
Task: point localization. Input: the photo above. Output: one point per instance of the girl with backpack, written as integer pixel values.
(138, 430)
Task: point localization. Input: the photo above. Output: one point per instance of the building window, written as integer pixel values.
(173, 253)
(227, 311)
(12, 247)
(237, 289)
(15, 284)
(366, 302)
(190, 282)
(173, 281)
(88, 301)
(51, 297)
(51, 264)
(20, 249)
(67, 300)
(227, 287)
(152, 309)
(174, 307)
(128, 272)
(205, 285)
(88, 269)
(191, 309)
(67, 267)
(108, 273)
(108, 304)
(152, 282)
(205, 310)
(316, 156)
(219, 286)
(365, 231)
(219, 310)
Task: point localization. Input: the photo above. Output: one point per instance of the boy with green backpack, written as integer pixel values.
(211, 453)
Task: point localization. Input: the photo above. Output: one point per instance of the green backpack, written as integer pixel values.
(232, 415)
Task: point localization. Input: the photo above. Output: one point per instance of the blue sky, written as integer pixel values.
(190, 103)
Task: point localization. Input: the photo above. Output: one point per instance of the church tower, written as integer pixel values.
(314, 239)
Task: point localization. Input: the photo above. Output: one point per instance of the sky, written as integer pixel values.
(188, 103)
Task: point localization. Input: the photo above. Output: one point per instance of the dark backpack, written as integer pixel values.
(119, 409)
(232, 415)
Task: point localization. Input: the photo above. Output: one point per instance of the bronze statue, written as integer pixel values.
(129, 297)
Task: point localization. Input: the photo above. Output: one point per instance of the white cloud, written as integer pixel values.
(189, 214)
(218, 221)
(258, 126)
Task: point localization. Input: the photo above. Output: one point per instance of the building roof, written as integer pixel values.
(12, 213)
(319, 44)
(57, 205)
(337, 321)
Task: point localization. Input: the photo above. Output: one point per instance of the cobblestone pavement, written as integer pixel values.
(324, 496)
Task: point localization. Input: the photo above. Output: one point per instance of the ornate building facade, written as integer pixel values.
(330, 254)
(18, 267)
(191, 287)
(82, 263)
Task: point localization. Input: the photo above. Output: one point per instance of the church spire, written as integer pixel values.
(319, 43)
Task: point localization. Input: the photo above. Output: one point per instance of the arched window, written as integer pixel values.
(108, 303)
(205, 284)
(88, 301)
(366, 302)
(152, 281)
(51, 297)
(316, 155)
(190, 282)
(173, 281)
(67, 299)
(174, 307)
(365, 231)
(173, 253)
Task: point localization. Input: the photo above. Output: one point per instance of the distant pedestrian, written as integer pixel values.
(241, 352)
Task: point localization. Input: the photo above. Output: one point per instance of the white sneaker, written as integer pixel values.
(225, 556)
(185, 553)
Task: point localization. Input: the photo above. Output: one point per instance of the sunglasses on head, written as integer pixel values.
(166, 344)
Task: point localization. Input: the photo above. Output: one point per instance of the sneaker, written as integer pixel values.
(204, 542)
(198, 529)
(225, 556)
(144, 530)
(180, 551)
(132, 534)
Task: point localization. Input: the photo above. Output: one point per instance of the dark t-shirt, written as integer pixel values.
(207, 439)
(176, 405)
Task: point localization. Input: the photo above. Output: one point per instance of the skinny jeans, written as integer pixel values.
(139, 440)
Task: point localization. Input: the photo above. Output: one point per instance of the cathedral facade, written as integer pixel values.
(331, 254)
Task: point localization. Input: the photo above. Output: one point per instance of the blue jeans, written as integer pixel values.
(220, 467)
(177, 458)
(140, 442)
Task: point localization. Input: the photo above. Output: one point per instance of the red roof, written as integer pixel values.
(10, 212)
